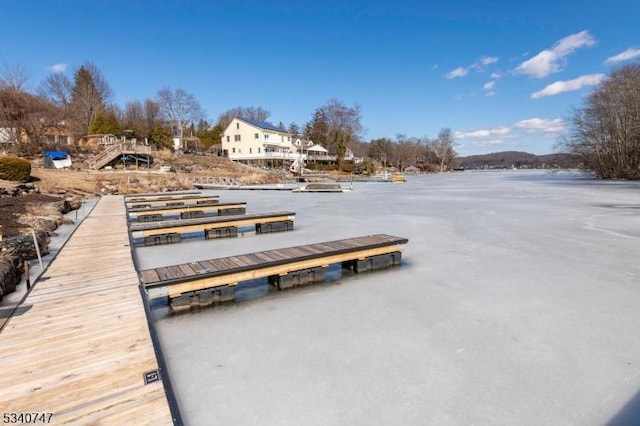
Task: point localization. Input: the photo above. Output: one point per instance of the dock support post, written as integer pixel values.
(224, 232)
(373, 263)
(297, 278)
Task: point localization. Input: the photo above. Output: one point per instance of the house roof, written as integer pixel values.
(262, 125)
(317, 148)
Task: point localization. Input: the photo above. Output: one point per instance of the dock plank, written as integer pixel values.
(177, 210)
(81, 346)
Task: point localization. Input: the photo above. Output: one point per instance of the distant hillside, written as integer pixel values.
(519, 160)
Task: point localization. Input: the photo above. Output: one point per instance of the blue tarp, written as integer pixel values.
(56, 155)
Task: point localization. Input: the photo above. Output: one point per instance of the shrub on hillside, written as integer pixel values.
(15, 169)
(321, 167)
(348, 166)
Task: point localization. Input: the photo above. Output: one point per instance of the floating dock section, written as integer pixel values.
(152, 214)
(205, 282)
(186, 200)
(172, 231)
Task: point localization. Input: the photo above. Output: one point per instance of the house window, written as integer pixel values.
(250, 151)
(258, 150)
(288, 138)
(237, 125)
(236, 138)
(257, 136)
(266, 136)
(227, 138)
(233, 150)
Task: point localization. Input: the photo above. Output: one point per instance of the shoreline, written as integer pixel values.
(11, 302)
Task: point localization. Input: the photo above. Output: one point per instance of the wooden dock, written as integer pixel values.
(170, 231)
(185, 212)
(209, 281)
(143, 196)
(80, 346)
(191, 200)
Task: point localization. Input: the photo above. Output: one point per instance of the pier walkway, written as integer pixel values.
(79, 348)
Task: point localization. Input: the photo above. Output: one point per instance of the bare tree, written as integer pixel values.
(605, 132)
(381, 149)
(444, 148)
(14, 77)
(344, 125)
(27, 114)
(407, 151)
(58, 88)
(249, 113)
(180, 107)
(133, 119)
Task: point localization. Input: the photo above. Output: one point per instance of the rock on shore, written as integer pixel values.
(25, 209)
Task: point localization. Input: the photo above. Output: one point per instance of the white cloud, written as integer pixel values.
(624, 56)
(523, 133)
(572, 42)
(544, 125)
(552, 60)
(486, 60)
(490, 85)
(482, 133)
(496, 75)
(458, 72)
(58, 67)
(477, 66)
(569, 85)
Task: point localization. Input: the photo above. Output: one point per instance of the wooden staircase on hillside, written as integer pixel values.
(117, 150)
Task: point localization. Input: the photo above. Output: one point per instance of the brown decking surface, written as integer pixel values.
(184, 208)
(130, 197)
(191, 200)
(263, 259)
(81, 344)
(175, 223)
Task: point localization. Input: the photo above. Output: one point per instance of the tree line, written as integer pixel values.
(82, 104)
(605, 130)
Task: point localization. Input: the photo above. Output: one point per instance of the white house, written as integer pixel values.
(248, 141)
(263, 144)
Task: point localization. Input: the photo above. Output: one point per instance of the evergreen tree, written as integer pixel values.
(294, 130)
(106, 122)
(89, 96)
(317, 130)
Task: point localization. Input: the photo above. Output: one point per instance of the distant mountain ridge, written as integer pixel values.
(518, 159)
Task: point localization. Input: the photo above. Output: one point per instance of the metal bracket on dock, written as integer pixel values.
(151, 377)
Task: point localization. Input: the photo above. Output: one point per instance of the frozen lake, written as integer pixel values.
(518, 302)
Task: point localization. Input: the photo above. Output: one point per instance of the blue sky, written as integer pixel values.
(501, 75)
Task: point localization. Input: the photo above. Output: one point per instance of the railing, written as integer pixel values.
(321, 157)
(105, 156)
(114, 151)
(273, 155)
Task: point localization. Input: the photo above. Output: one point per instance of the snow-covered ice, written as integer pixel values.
(518, 302)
